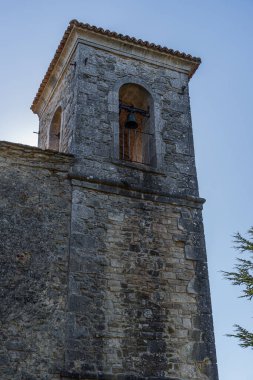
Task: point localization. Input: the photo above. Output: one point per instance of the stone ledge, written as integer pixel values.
(119, 188)
(65, 375)
(138, 166)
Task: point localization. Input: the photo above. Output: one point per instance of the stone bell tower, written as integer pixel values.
(129, 298)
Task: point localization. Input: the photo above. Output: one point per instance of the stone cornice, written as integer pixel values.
(117, 188)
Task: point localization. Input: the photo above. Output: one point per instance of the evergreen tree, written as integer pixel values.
(243, 275)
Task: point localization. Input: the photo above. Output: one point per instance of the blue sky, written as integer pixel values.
(220, 32)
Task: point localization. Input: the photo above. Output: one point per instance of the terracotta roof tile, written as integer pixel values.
(133, 40)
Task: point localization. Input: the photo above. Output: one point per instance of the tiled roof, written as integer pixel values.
(132, 40)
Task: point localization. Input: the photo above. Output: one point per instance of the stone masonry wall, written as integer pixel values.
(64, 95)
(97, 280)
(104, 263)
(35, 205)
(138, 293)
(99, 77)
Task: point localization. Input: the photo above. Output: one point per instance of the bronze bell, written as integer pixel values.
(131, 122)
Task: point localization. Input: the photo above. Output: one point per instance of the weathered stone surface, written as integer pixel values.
(137, 305)
(127, 299)
(104, 272)
(34, 232)
(89, 95)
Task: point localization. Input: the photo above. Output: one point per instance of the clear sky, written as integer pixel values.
(221, 33)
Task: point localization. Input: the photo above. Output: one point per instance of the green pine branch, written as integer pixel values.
(242, 275)
(245, 337)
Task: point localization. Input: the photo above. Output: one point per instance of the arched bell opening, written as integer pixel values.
(136, 125)
(55, 130)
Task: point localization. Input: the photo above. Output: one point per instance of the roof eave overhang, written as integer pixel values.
(116, 44)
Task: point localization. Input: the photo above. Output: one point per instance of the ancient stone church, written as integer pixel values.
(103, 263)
